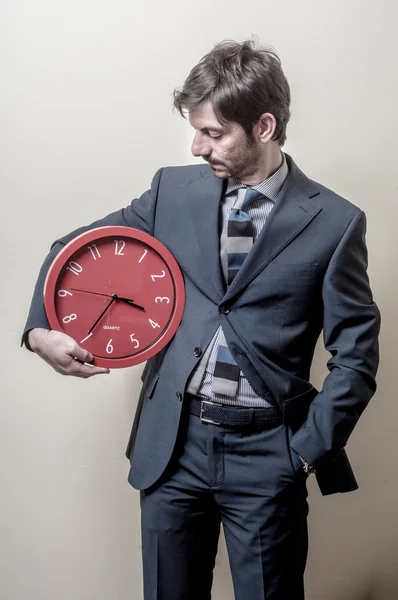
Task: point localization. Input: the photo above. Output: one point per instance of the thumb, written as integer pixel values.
(82, 355)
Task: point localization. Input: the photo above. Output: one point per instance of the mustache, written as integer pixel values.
(213, 162)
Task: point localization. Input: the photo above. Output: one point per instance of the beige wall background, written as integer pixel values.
(86, 121)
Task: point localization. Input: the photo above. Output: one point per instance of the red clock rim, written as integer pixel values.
(136, 234)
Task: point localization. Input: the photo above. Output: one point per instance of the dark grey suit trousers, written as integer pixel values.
(249, 480)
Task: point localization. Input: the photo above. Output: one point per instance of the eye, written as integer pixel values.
(215, 135)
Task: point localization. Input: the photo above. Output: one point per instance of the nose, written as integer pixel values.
(200, 147)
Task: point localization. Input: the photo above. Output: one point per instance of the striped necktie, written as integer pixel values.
(239, 243)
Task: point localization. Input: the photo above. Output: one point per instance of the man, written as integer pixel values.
(228, 426)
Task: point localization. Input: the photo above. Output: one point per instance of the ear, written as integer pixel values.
(264, 129)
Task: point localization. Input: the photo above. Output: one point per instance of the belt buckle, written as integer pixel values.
(202, 408)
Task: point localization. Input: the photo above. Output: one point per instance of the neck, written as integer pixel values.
(269, 163)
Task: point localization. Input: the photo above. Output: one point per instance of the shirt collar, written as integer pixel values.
(269, 187)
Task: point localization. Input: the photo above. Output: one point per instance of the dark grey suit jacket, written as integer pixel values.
(306, 272)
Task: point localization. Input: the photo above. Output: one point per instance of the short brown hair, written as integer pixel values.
(242, 82)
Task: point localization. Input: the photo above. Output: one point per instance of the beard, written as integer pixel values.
(240, 162)
(220, 170)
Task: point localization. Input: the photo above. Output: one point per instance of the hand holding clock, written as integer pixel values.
(63, 354)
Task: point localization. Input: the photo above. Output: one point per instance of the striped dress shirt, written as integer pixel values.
(258, 210)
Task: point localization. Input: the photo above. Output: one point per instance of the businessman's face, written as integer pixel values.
(226, 147)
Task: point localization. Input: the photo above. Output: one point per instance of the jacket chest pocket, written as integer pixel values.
(297, 271)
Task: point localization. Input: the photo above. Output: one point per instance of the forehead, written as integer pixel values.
(203, 117)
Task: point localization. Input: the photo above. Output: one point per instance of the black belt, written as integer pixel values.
(233, 416)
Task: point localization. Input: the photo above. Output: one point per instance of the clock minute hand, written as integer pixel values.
(102, 314)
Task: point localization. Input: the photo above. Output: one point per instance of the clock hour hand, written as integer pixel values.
(131, 302)
(115, 296)
(102, 314)
(127, 300)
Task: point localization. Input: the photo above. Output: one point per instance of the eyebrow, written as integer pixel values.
(210, 128)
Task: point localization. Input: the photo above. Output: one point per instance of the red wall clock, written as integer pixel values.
(118, 292)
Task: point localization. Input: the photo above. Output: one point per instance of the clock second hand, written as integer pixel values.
(95, 293)
(115, 296)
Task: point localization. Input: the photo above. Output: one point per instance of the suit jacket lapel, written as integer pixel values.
(293, 211)
(202, 202)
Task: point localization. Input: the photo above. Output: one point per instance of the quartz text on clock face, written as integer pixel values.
(115, 296)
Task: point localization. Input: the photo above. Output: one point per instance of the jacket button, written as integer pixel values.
(197, 352)
(179, 396)
(224, 310)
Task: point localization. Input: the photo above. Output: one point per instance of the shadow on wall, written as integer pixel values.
(380, 583)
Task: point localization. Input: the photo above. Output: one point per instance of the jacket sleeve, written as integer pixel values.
(140, 214)
(350, 328)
